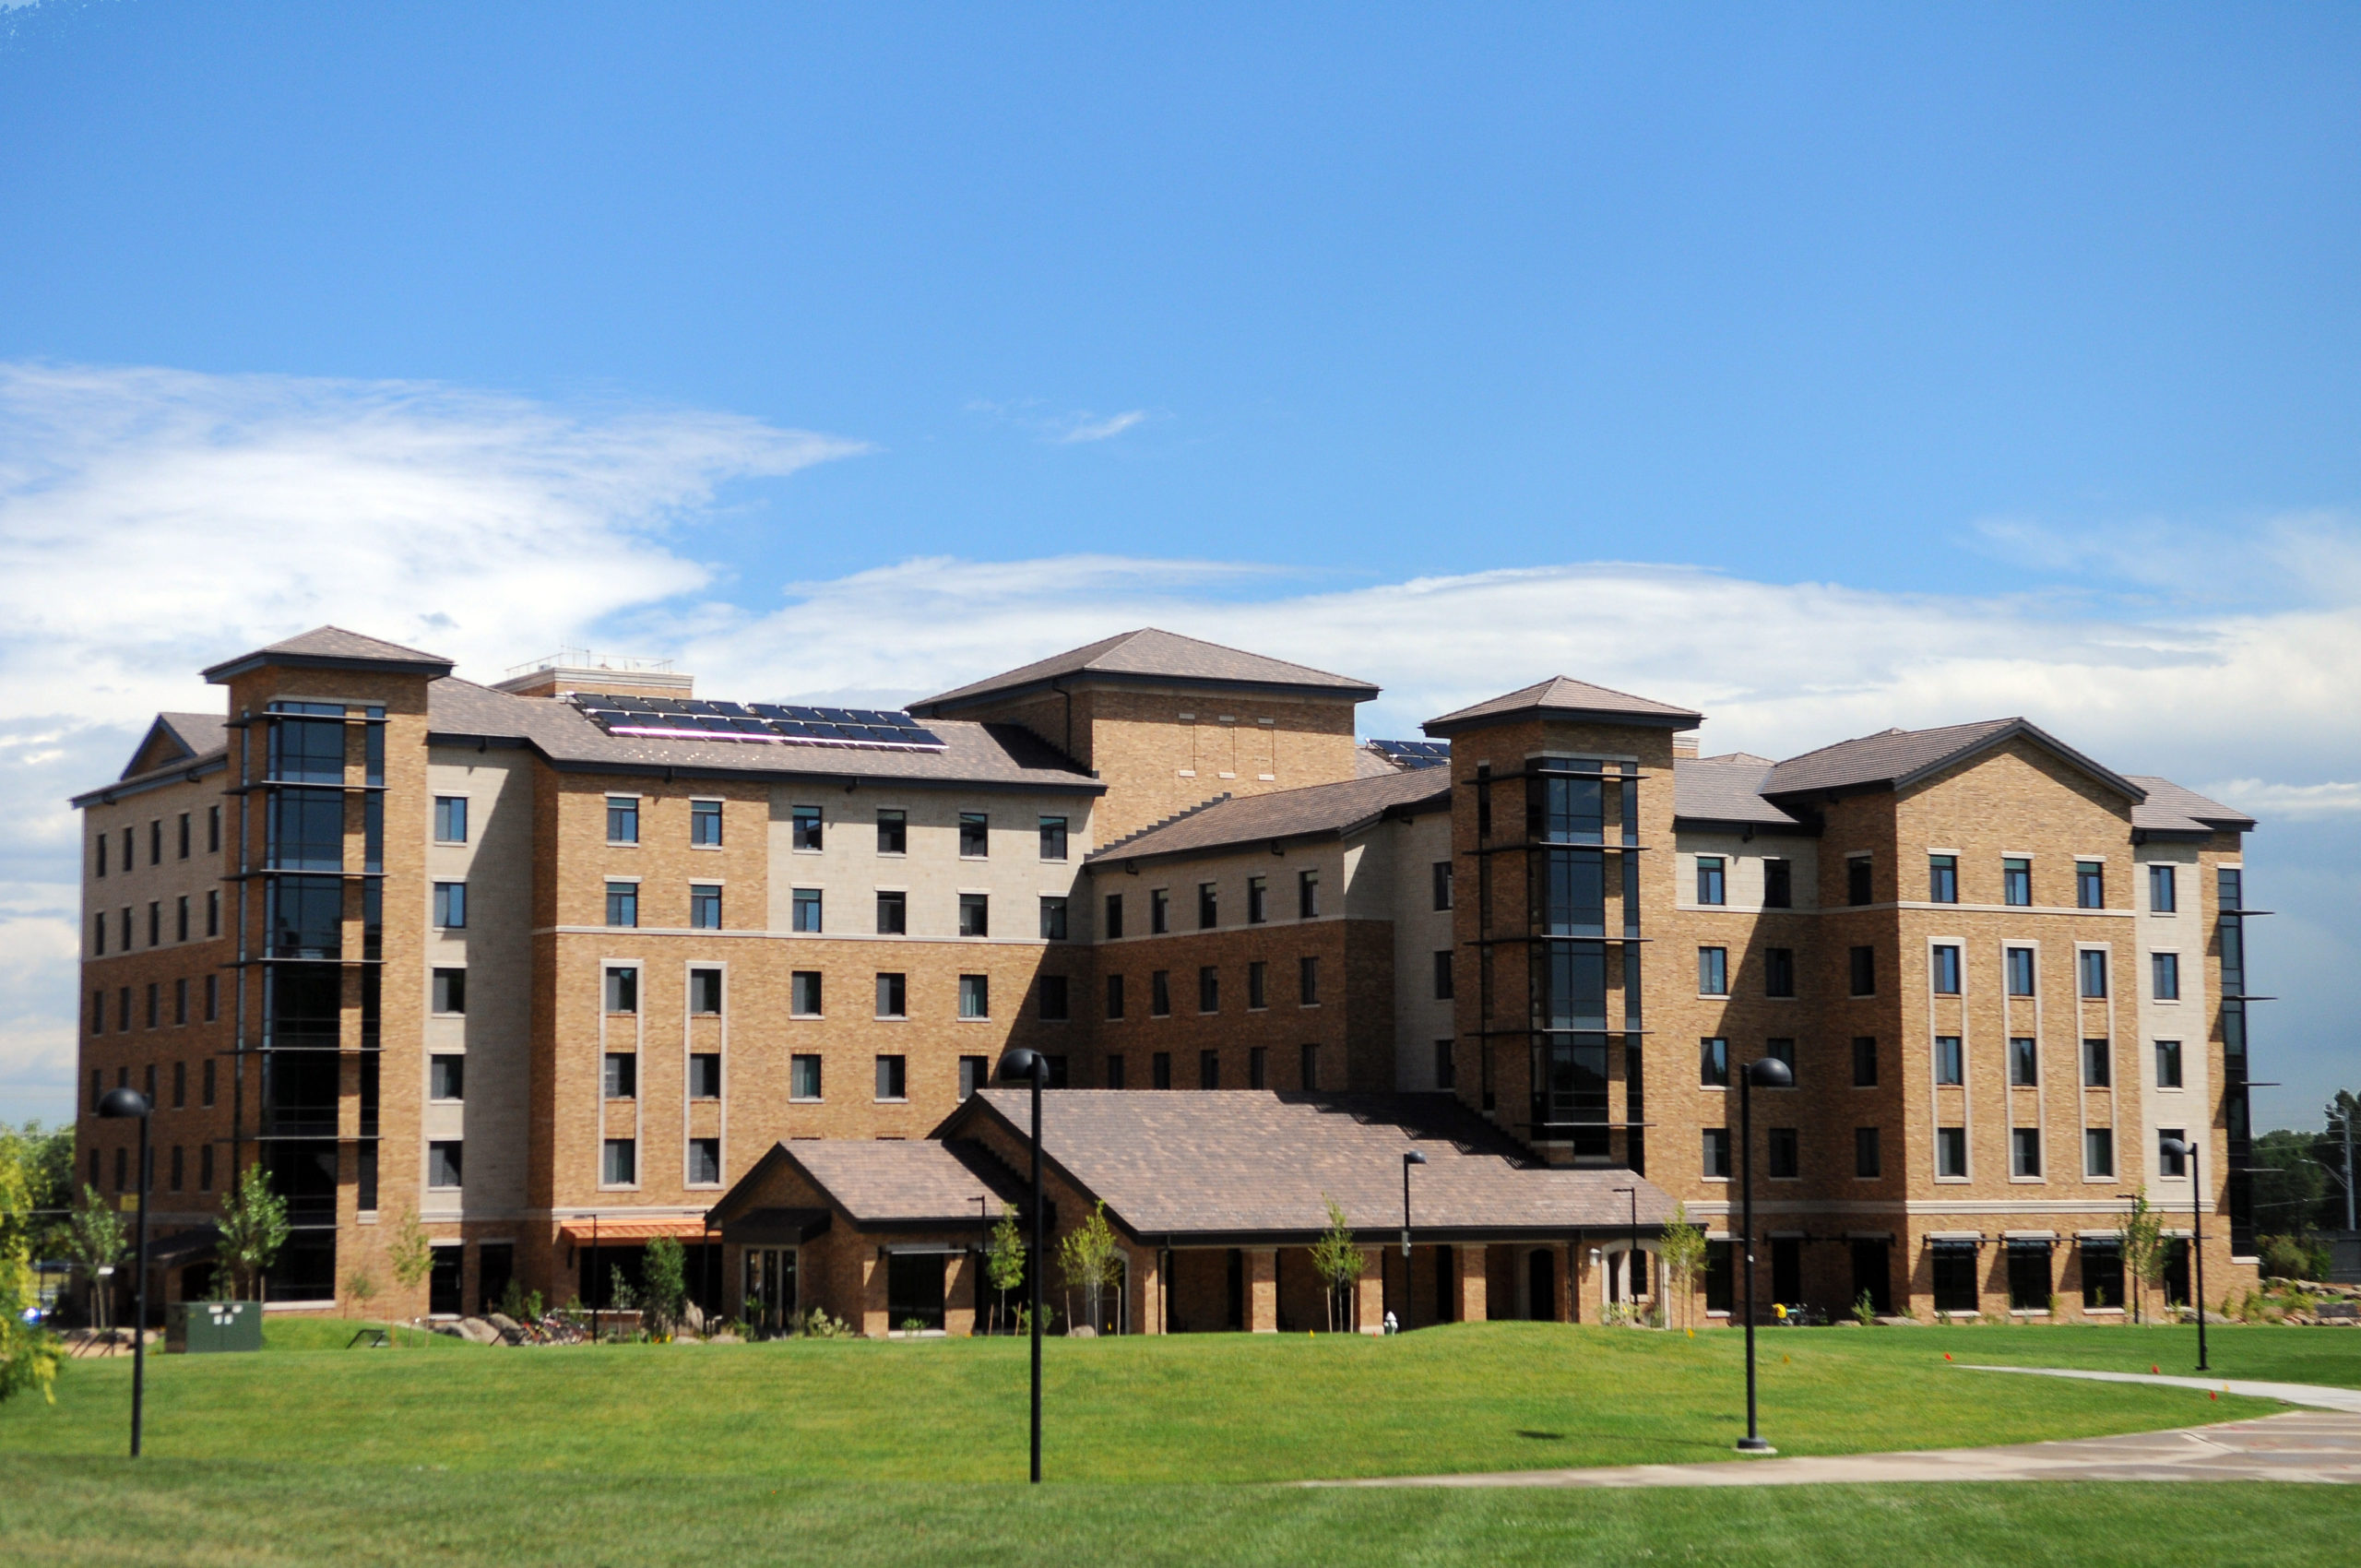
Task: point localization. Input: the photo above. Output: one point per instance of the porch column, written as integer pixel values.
(1565, 1253)
(1262, 1289)
(873, 1320)
(1369, 1292)
(1473, 1282)
(1148, 1288)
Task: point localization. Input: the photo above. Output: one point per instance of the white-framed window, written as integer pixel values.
(623, 819)
(450, 819)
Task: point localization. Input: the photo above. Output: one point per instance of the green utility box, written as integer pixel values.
(214, 1326)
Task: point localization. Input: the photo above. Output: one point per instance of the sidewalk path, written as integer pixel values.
(2318, 1445)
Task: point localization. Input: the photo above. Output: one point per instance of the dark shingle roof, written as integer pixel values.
(973, 753)
(1230, 1162)
(1153, 654)
(175, 743)
(1320, 809)
(332, 647)
(1563, 698)
(905, 1181)
(1725, 788)
(2172, 809)
(1898, 758)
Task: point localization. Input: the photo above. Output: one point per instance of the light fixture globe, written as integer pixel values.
(1770, 1073)
(1020, 1064)
(124, 1102)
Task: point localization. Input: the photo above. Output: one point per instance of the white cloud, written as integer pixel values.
(1087, 427)
(2292, 802)
(1071, 428)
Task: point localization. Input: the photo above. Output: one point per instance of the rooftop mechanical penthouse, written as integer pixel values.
(580, 960)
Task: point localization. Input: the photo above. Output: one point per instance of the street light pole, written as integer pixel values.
(1413, 1157)
(1772, 1073)
(1031, 1065)
(1630, 1254)
(2187, 1148)
(131, 1103)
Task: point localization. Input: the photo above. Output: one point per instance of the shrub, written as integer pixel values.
(2292, 1257)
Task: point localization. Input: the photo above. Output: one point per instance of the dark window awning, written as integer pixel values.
(775, 1227)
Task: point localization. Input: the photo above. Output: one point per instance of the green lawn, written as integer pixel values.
(1161, 1451)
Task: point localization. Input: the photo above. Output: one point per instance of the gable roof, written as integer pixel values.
(885, 1183)
(1240, 1163)
(1895, 759)
(1325, 810)
(1150, 655)
(2172, 809)
(1559, 698)
(177, 739)
(333, 647)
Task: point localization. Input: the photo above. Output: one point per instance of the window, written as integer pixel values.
(450, 819)
(1865, 1061)
(1778, 884)
(704, 1074)
(622, 989)
(125, 929)
(2169, 1163)
(1954, 1275)
(619, 1166)
(1209, 1069)
(1713, 1062)
(1784, 1160)
(2029, 1279)
(2024, 1061)
(451, 991)
(803, 1077)
(893, 833)
(1951, 1151)
(1159, 1070)
(893, 996)
(2098, 1151)
(155, 1008)
(621, 1080)
(446, 1077)
(1114, 999)
(123, 1009)
(1310, 1068)
(705, 991)
(1857, 879)
(623, 903)
(213, 829)
(1208, 990)
(2024, 1152)
(1208, 906)
(623, 819)
(1258, 899)
(180, 1086)
(805, 828)
(213, 913)
(1442, 977)
(803, 993)
(182, 841)
(2103, 1271)
(1159, 993)
(1159, 911)
(1442, 884)
(1114, 916)
(1308, 982)
(179, 1002)
(155, 921)
(2090, 885)
(705, 906)
(1711, 882)
(1942, 879)
(1115, 1071)
(704, 1162)
(2016, 881)
(893, 912)
(1054, 839)
(1307, 895)
(974, 1072)
(1784, 1053)
(2165, 969)
(974, 835)
(205, 1082)
(1865, 1151)
(805, 905)
(1053, 917)
(1717, 1151)
(1951, 1060)
(179, 1170)
(2163, 894)
(155, 842)
(2092, 967)
(98, 934)
(2097, 1064)
(1054, 1003)
(2020, 972)
(705, 825)
(100, 841)
(1257, 985)
(2168, 1064)
(180, 919)
(1713, 971)
(975, 914)
(1862, 964)
(1778, 971)
(893, 1078)
(442, 1163)
(975, 996)
(1258, 1068)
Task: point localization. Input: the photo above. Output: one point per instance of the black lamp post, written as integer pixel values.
(1631, 1258)
(1772, 1073)
(2186, 1148)
(131, 1103)
(1409, 1158)
(1032, 1066)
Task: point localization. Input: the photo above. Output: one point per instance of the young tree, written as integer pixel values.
(1090, 1259)
(410, 1253)
(359, 1290)
(664, 1286)
(94, 1239)
(1336, 1258)
(1005, 1260)
(2144, 1249)
(28, 1350)
(1683, 1254)
(253, 1228)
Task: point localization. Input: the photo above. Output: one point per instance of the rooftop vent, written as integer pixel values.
(578, 669)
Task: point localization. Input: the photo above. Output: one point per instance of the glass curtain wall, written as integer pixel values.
(1581, 935)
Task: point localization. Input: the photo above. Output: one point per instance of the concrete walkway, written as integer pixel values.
(2323, 1443)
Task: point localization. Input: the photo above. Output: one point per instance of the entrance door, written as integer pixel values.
(1541, 1287)
(1872, 1276)
(1788, 1270)
(770, 1287)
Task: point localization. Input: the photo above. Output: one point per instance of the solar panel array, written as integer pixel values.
(759, 723)
(1413, 753)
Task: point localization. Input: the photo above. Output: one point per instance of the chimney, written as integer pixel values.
(579, 669)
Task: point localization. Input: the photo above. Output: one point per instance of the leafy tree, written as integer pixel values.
(664, 1287)
(1005, 1260)
(253, 1227)
(28, 1350)
(410, 1253)
(1336, 1259)
(1682, 1251)
(94, 1239)
(2144, 1249)
(46, 1161)
(1090, 1259)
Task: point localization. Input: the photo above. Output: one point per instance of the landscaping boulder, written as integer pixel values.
(442, 1327)
(511, 1332)
(476, 1331)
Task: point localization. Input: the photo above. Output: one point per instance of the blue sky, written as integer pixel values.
(1915, 365)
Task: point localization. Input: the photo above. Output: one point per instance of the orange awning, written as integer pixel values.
(623, 1231)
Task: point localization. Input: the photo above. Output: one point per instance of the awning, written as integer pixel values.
(624, 1232)
(775, 1227)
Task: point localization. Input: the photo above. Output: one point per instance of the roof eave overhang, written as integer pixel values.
(1446, 727)
(221, 674)
(1742, 825)
(1420, 1235)
(1078, 786)
(187, 772)
(947, 704)
(1118, 856)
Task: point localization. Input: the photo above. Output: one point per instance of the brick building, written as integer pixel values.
(558, 966)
